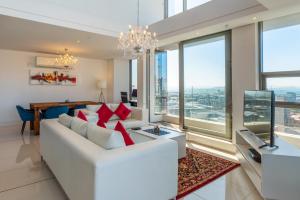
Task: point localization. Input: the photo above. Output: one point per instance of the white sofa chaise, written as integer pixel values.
(137, 117)
(145, 171)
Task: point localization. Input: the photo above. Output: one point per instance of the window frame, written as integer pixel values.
(228, 86)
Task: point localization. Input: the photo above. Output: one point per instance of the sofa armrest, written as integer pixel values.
(142, 171)
(139, 114)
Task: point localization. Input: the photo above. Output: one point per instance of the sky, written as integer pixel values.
(205, 63)
(204, 66)
(282, 53)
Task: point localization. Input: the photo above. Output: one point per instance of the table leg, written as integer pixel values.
(36, 121)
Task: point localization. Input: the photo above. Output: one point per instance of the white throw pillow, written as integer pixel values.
(107, 139)
(79, 126)
(65, 120)
(93, 108)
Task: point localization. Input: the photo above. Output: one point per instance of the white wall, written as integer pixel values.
(244, 69)
(15, 88)
(118, 79)
(121, 78)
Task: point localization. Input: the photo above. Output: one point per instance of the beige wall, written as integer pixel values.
(15, 88)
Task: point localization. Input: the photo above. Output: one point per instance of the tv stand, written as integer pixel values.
(278, 174)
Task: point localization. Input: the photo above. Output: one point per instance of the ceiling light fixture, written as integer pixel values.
(137, 40)
(66, 59)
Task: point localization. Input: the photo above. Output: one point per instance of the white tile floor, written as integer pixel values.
(23, 176)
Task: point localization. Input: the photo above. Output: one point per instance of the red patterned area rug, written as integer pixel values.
(198, 169)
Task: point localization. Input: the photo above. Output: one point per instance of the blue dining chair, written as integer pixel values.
(54, 112)
(72, 110)
(25, 115)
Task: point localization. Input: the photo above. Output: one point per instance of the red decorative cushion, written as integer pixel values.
(127, 139)
(104, 113)
(101, 124)
(122, 111)
(82, 116)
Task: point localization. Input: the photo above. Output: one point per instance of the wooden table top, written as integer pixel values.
(41, 105)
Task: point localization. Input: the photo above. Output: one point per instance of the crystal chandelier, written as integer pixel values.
(66, 59)
(137, 40)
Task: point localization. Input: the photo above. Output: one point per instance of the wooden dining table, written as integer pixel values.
(38, 107)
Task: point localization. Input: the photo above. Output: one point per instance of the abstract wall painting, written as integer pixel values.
(52, 77)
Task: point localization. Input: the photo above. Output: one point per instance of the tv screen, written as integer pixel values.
(258, 112)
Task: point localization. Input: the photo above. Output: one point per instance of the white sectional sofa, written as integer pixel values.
(86, 171)
(137, 118)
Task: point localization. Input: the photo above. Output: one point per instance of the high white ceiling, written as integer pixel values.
(25, 35)
(107, 17)
(49, 26)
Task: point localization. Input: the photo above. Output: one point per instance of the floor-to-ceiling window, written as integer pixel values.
(166, 81)
(192, 84)
(280, 69)
(207, 84)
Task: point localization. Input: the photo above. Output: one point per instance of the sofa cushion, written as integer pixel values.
(128, 123)
(122, 111)
(65, 120)
(82, 116)
(104, 113)
(107, 139)
(79, 126)
(127, 139)
(93, 108)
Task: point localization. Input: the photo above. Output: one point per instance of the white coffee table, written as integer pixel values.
(141, 135)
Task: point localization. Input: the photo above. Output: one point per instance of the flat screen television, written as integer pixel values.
(259, 114)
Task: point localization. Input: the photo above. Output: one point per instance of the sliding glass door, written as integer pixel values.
(206, 84)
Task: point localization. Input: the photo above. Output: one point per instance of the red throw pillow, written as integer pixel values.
(122, 111)
(82, 116)
(127, 139)
(101, 124)
(104, 113)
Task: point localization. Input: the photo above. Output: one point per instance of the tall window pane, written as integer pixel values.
(173, 82)
(281, 44)
(281, 47)
(133, 78)
(205, 84)
(174, 7)
(134, 74)
(161, 93)
(193, 3)
(167, 82)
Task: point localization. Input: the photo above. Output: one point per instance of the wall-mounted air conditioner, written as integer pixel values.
(48, 62)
